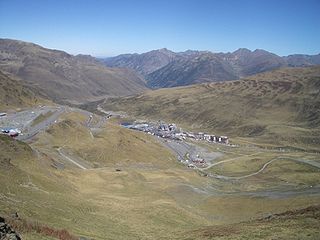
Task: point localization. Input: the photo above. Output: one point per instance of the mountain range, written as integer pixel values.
(81, 175)
(63, 77)
(164, 68)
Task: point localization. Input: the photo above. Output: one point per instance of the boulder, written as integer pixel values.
(6, 232)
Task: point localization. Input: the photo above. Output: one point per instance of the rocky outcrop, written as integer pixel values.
(6, 232)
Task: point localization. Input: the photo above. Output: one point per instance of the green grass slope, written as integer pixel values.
(279, 107)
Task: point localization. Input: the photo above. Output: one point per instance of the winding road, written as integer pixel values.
(279, 158)
(228, 160)
(28, 121)
(34, 130)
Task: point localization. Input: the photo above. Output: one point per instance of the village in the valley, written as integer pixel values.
(21, 126)
(176, 139)
(171, 131)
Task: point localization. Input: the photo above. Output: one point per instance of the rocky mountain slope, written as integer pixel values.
(164, 68)
(297, 60)
(186, 70)
(143, 63)
(64, 77)
(251, 62)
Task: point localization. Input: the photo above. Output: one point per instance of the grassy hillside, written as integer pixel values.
(11, 149)
(278, 107)
(152, 197)
(13, 94)
(64, 77)
(299, 224)
(109, 147)
(97, 203)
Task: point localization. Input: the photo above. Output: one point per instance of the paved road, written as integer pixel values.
(179, 148)
(189, 151)
(111, 113)
(21, 119)
(24, 120)
(30, 131)
(34, 130)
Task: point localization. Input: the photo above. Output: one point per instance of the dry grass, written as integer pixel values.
(153, 197)
(25, 227)
(13, 94)
(299, 224)
(276, 108)
(113, 146)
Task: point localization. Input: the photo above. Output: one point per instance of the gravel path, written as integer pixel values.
(75, 162)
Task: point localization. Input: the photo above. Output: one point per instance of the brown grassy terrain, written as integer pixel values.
(13, 94)
(36, 230)
(112, 146)
(278, 108)
(298, 224)
(152, 197)
(99, 203)
(64, 77)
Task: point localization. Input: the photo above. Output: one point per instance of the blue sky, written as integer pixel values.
(106, 28)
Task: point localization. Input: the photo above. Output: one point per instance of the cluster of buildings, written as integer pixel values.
(171, 131)
(205, 137)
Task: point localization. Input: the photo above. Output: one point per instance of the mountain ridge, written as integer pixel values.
(143, 63)
(63, 77)
(184, 68)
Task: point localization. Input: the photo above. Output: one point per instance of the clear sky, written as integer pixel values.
(111, 27)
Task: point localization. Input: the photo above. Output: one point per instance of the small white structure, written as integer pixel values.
(12, 132)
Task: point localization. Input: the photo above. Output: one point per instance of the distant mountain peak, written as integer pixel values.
(164, 50)
(242, 50)
(259, 50)
(84, 55)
